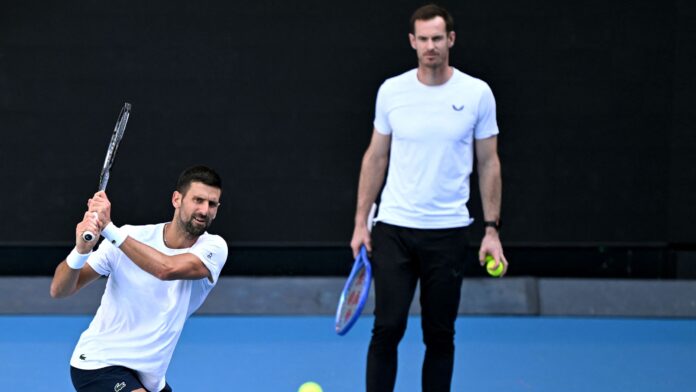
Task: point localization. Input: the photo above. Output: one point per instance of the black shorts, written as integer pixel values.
(110, 378)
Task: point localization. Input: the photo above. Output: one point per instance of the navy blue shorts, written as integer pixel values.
(110, 378)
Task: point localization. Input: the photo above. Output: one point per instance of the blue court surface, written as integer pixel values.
(274, 354)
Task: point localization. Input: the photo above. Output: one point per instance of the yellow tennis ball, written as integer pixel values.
(310, 386)
(490, 263)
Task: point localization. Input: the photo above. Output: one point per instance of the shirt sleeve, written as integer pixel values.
(486, 124)
(103, 259)
(381, 122)
(212, 251)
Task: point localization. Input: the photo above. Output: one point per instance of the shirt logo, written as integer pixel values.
(82, 357)
(209, 255)
(457, 108)
(119, 386)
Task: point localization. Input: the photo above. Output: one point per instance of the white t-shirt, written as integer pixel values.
(141, 317)
(432, 132)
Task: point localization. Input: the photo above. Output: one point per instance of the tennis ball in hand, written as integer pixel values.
(490, 263)
(310, 386)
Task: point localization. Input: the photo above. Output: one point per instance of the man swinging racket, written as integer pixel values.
(158, 275)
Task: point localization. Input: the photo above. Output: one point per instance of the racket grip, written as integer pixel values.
(88, 235)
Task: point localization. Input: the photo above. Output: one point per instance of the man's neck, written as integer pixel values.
(175, 237)
(434, 76)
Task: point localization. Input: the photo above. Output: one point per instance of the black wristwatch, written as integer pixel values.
(494, 224)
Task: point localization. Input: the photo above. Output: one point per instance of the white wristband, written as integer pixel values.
(77, 260)
(114, 234)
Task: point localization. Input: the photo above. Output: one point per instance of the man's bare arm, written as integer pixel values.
(372, 172)
(162, 266)
(66, 280)
(490, 181)
(490, 184)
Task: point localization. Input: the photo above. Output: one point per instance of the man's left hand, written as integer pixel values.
(490, 245)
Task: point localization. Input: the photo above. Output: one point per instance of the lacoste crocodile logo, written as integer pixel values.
(82, 357)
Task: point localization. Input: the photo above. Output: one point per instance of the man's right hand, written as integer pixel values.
(361, 236)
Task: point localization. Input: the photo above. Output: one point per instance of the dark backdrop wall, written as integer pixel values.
(595, 105)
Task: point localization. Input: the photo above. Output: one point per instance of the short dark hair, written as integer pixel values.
(432, 11)
(198, 173)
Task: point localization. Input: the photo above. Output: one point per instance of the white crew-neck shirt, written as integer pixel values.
(432, 132)
(140, 317)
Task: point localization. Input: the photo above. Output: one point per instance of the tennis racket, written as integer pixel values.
(355, 293)
(357, 287)
(116, 137)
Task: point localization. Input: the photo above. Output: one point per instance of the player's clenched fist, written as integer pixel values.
(100, 204)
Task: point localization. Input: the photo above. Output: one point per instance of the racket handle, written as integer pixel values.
(88, 235)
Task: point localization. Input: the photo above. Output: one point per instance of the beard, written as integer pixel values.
(193, 229)
(436, 62)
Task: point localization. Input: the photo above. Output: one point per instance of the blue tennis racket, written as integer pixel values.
(354, 294)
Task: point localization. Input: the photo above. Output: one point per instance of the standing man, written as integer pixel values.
(428, 123)
(158, 275)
